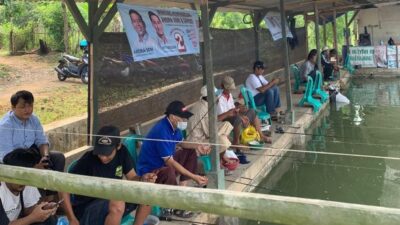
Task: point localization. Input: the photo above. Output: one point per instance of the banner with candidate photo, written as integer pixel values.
(160, 32)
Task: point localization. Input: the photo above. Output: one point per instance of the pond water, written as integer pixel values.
(370, 125)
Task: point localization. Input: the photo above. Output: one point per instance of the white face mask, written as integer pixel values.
(182, 125)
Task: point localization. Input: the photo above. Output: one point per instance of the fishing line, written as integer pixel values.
(233, 146)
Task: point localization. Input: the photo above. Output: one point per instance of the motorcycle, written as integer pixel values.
(70, 66)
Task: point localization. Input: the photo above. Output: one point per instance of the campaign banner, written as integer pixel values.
(273, 21)
(380, 56)
(160, 32)
(392, 56)
(362, 56)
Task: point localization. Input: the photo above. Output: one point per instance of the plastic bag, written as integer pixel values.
(342, 98)
(249, 134)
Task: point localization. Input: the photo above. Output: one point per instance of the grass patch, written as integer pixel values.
(4, 71)
(63, 103)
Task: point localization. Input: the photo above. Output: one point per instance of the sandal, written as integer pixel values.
(279, 130)
(183, 213)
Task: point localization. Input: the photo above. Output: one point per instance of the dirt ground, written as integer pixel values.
(54, 99)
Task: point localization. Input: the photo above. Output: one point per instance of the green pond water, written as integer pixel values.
(357, 180)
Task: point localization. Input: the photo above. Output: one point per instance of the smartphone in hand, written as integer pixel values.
(52, 205)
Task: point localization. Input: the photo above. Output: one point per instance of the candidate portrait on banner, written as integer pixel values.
(164, 43)
(143, 40)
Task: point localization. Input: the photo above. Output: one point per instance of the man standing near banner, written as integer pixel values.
(144, 41)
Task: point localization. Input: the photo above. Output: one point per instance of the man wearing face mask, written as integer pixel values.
(159, 156)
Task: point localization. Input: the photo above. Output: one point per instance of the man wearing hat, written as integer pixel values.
(264, 92)
(108, 159)
(158, 153)
(326, 63)
(198, 129)
(240, 117)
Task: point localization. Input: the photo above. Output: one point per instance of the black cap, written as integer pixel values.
(106, 140)
(258, 64)
(177, 108)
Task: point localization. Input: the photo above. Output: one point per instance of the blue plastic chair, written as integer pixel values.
(131, 144)
(297, 79)
(308, 98)
(317, 87)
(261, 111)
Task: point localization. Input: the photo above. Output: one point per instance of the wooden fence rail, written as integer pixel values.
(270, 208)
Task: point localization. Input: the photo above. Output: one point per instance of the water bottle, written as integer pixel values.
(62, 221)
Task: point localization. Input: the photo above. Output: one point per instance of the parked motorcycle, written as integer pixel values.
(73, 67)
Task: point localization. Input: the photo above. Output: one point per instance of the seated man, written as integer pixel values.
(198, 129)
(264, 92)
(19, 204)
(160, 156)
(108, 159)
(239, 117)
(20, 128)
(326, 64)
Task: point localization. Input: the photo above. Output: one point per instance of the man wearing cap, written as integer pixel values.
(108, 159)
(264, 92)
(198, 129)
(240, 116)
(158, 154)
(326, 63)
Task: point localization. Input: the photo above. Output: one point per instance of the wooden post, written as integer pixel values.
(306, 30)
(347, 36)
(216, 176)
(262, 207)
(335, 33)
(289, 110)
(257, 35)
(316, 15)
(324, 33)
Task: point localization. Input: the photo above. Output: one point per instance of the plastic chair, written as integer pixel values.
(206, 160)
(308, 98)
(348, 66)
(131, 144)
(297, 79)
(317, 87)
(261, 111)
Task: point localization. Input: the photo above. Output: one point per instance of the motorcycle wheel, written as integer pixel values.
(61, 77)
(85, 75)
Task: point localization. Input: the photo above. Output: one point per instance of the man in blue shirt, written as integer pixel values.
(20, 128)
(158, 155)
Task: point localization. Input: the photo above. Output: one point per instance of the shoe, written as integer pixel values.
(243, 159)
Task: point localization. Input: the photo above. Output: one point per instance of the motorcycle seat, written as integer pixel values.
(72, 58)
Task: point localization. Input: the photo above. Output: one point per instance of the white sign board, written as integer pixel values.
(362, 56)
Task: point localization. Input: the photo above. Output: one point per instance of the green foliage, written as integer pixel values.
(52, 19)
(4, 71)
(230, 20)
(31, 21)
(340, 26)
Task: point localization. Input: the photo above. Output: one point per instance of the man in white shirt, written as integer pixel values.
(264, 92)
(19, 203)
(198, 129)
(240, 117)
